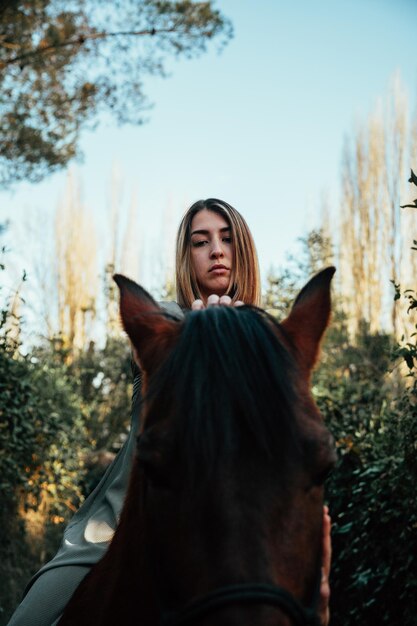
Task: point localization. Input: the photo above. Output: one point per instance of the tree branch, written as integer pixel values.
(9, 46)
(79, 41)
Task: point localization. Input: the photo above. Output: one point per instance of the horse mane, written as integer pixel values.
(228, 383)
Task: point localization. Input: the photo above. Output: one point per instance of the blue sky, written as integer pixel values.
(260, 125)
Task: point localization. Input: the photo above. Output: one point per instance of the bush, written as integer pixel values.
(372, 415)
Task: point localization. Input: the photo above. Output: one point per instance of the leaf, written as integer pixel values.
(409, 206)
(345, 529)
(413, 178)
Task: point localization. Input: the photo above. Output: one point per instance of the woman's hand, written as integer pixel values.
(215, 300)
(324, 613)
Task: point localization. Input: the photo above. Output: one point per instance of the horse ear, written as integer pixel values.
(149, 330)
(310, 316)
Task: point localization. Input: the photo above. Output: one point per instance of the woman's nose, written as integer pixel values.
(216, 250)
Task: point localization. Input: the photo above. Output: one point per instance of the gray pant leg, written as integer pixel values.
(46, 600)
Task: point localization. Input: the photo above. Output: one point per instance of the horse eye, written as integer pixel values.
(322, 476)
(157, 474)
(153, 461)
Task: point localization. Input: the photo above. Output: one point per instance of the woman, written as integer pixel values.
(216, 263)
(212, 231)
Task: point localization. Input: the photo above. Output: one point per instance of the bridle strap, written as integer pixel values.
(255, 593)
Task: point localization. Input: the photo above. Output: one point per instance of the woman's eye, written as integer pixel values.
(199, 244)
(227, 239)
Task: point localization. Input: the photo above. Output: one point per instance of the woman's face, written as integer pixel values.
(211, 252)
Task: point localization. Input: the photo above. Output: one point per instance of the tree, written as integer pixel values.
(372, 226)
(76, 269)
(62, 63)
(315, 251)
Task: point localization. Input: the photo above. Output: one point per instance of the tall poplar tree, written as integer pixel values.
(375, 235)
(76, 259)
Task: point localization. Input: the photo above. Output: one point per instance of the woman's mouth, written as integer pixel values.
(218, 267)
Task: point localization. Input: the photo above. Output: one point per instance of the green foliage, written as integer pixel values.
(106, 388)
(57, 412)
(371, 492)
(313, 254)
(61, 65)
(42, 440)
(42, 430)
(42, 433)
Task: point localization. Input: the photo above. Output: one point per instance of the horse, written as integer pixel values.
(222, 523)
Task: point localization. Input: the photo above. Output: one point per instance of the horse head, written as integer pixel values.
(231, 459)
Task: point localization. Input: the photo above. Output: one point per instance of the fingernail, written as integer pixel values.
(197, 305)
(213, 299)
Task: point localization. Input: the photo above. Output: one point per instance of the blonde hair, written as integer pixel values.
(245, 284)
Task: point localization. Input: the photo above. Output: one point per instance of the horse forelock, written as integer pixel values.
(228, 383)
